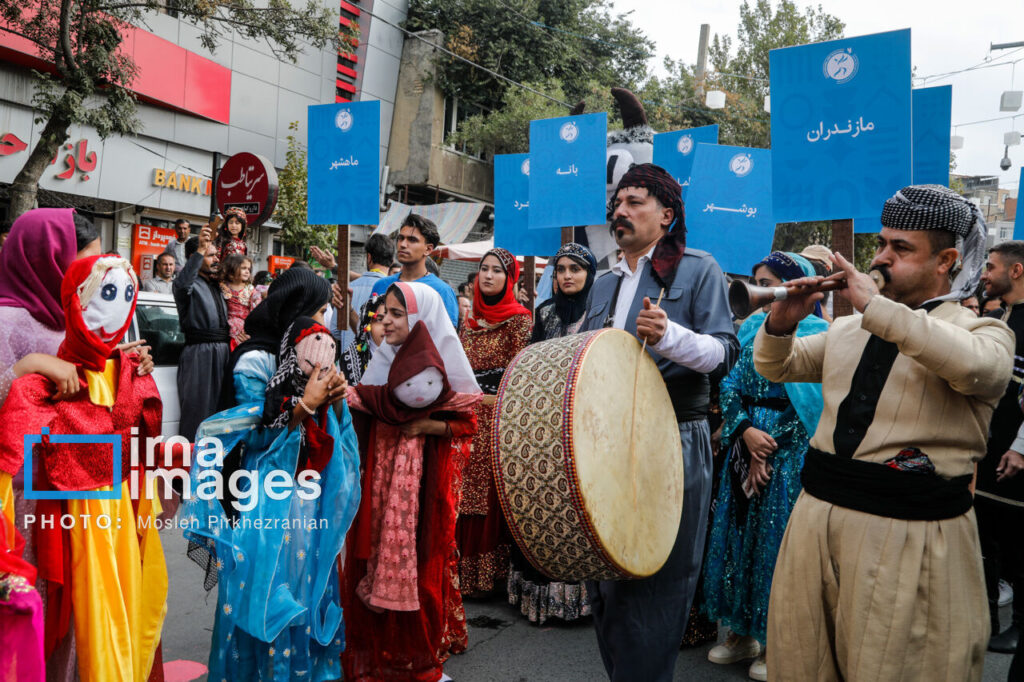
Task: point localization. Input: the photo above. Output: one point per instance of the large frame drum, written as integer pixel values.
(587, 493)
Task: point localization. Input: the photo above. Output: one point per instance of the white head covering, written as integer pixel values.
(423, 304)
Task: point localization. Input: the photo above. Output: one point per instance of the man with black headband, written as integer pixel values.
(640, 623)
(879, 576)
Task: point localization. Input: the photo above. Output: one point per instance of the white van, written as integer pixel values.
(156, 321)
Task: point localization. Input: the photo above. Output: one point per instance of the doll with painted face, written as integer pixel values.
(402, 604)
(109, 582)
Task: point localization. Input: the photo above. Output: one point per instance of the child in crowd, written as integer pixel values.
(231, 237)
(241, 296)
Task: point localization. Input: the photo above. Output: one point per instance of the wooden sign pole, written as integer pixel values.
(842, 241)
(342, 262)
(529, 279)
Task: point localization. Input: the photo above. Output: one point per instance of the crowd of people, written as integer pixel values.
(852, 497)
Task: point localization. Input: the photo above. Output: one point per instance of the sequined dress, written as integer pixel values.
(482, 535)
(745, 538)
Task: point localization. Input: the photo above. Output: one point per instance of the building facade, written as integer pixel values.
(193, 104)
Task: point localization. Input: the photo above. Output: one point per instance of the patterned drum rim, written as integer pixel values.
(605, 568)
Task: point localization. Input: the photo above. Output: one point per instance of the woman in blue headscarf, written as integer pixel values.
(765, 432)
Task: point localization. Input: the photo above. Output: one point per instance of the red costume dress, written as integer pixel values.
(111, 579)
(403, 610)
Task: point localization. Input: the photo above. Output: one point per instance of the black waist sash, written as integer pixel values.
(883, 491)
(196, 336)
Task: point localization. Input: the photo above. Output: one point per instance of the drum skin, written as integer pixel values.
(580, 500)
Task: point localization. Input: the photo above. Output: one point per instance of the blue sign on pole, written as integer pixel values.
(932, 120)
(674, 151)
(344, 164)
(1018, 222)
(512, 208)
(729, 207)
(841, 126)
(567, 174)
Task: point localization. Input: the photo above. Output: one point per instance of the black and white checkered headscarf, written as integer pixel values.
(929, 207)
(935, 207)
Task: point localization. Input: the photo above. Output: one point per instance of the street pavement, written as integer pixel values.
(503, 645)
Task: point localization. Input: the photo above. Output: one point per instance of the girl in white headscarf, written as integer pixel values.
(403, 610)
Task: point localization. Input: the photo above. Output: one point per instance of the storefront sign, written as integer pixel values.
(248, 181)
(275, 263)
(148, 242)
(183, 183)
(80, 159)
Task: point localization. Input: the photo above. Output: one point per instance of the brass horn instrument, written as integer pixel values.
(745, 298)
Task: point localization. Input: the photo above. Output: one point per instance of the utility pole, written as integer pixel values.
(1005, 46)
(702, 59)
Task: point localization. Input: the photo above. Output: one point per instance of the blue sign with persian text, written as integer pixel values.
(512, 210)
(729, 207)
(841, 126)
(344, 163)
(675, 151)
(932, 120)
(567, 171)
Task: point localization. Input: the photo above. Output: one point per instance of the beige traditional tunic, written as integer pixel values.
(857, 596)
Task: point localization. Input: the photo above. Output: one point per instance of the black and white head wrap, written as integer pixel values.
(935, 207)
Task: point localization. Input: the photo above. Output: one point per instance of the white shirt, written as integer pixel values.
(699, 352)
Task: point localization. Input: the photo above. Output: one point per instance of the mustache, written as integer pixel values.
(620, 222)
(886, 275)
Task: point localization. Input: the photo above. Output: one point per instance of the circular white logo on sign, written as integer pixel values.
(741, 164)
(841, 65)
(343, 120)
(685, 145)
(525, 167)
(569, 132)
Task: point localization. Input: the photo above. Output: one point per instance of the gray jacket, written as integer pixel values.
(698, 300)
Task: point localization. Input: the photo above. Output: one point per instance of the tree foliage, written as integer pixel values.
(671, 101)
(290, 212)
(568, 42)
(91, 75)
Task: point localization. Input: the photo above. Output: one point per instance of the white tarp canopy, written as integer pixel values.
(454, 219)
(474, 251)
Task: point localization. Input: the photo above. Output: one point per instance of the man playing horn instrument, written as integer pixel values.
(879, 576)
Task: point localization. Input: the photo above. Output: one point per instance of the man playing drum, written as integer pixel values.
(640, 623)
(879, 576)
